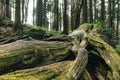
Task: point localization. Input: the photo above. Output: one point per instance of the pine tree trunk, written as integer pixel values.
(77, 10)
(26, 10)
(56, 24)
(39, 16)
(110, 22)
(118, 17)
(33, 12)
(90, 11)
(23, 11)
(85, 12)
(65, 18)
(44, 14)
(17, 12)
(102, 10)
(8, 9)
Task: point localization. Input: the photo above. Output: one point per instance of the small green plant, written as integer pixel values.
(118, 47)
(93, 52)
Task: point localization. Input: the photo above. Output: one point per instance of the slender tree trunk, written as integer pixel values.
(113, 12)
(56, 26)
(39, 13)
(72, 12)
(17, 12)
(44, 14)
(65, 18)
(95, 11)
(102, 10)
(118, 17)
(23, 10)
(26, 10)
(90, 11)
(60, 17)
(8, 9)
(2, 9)
(33, 12)
(110, 13)
(17, 28)
(85, 11)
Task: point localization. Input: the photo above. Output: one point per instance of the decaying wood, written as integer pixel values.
(64, 70)
(29, 52)
(94, 58)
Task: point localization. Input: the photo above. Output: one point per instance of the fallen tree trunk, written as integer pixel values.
(65, 70)
(28, 53)
(88, 57)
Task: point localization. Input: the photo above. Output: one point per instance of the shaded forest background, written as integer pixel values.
(63, 16)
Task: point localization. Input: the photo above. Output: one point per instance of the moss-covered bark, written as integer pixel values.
(30, 53)
(65, 70)
(94, 58)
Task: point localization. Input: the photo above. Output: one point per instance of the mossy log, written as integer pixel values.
(88, 57)
(30, 53)
(65, 70)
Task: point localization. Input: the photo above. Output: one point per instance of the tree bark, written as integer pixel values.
(17, 29)
(102, 10)
(77, 59)
(8, 9)
(27, 53)
(65, 18)
(91, 11)
(85, 12)
(39, 13)
(118, 16)
(56, 16)
(77, 9)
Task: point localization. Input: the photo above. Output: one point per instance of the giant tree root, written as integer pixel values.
(55, 58)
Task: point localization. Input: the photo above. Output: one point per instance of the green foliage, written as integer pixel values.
(94, 53)
(118, 47)
(106, 30)
(38, 32)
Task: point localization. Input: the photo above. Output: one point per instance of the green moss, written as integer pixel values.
(44, 75)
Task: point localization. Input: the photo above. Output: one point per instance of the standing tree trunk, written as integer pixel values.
(44, 15)
(85, 11)
(17, 12)
(8, 9)
(95, 11)
(102, 10)
(39, 13)
(77, 9)
(118, 17)
(17, 28)
(110, 13)
(55, 26)
(90, 11)
(113, 13)
(65, 18)
(33, 12)
(26, 10)
(23, 10)
(72, 12)
(2, 9)
(60, 17)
